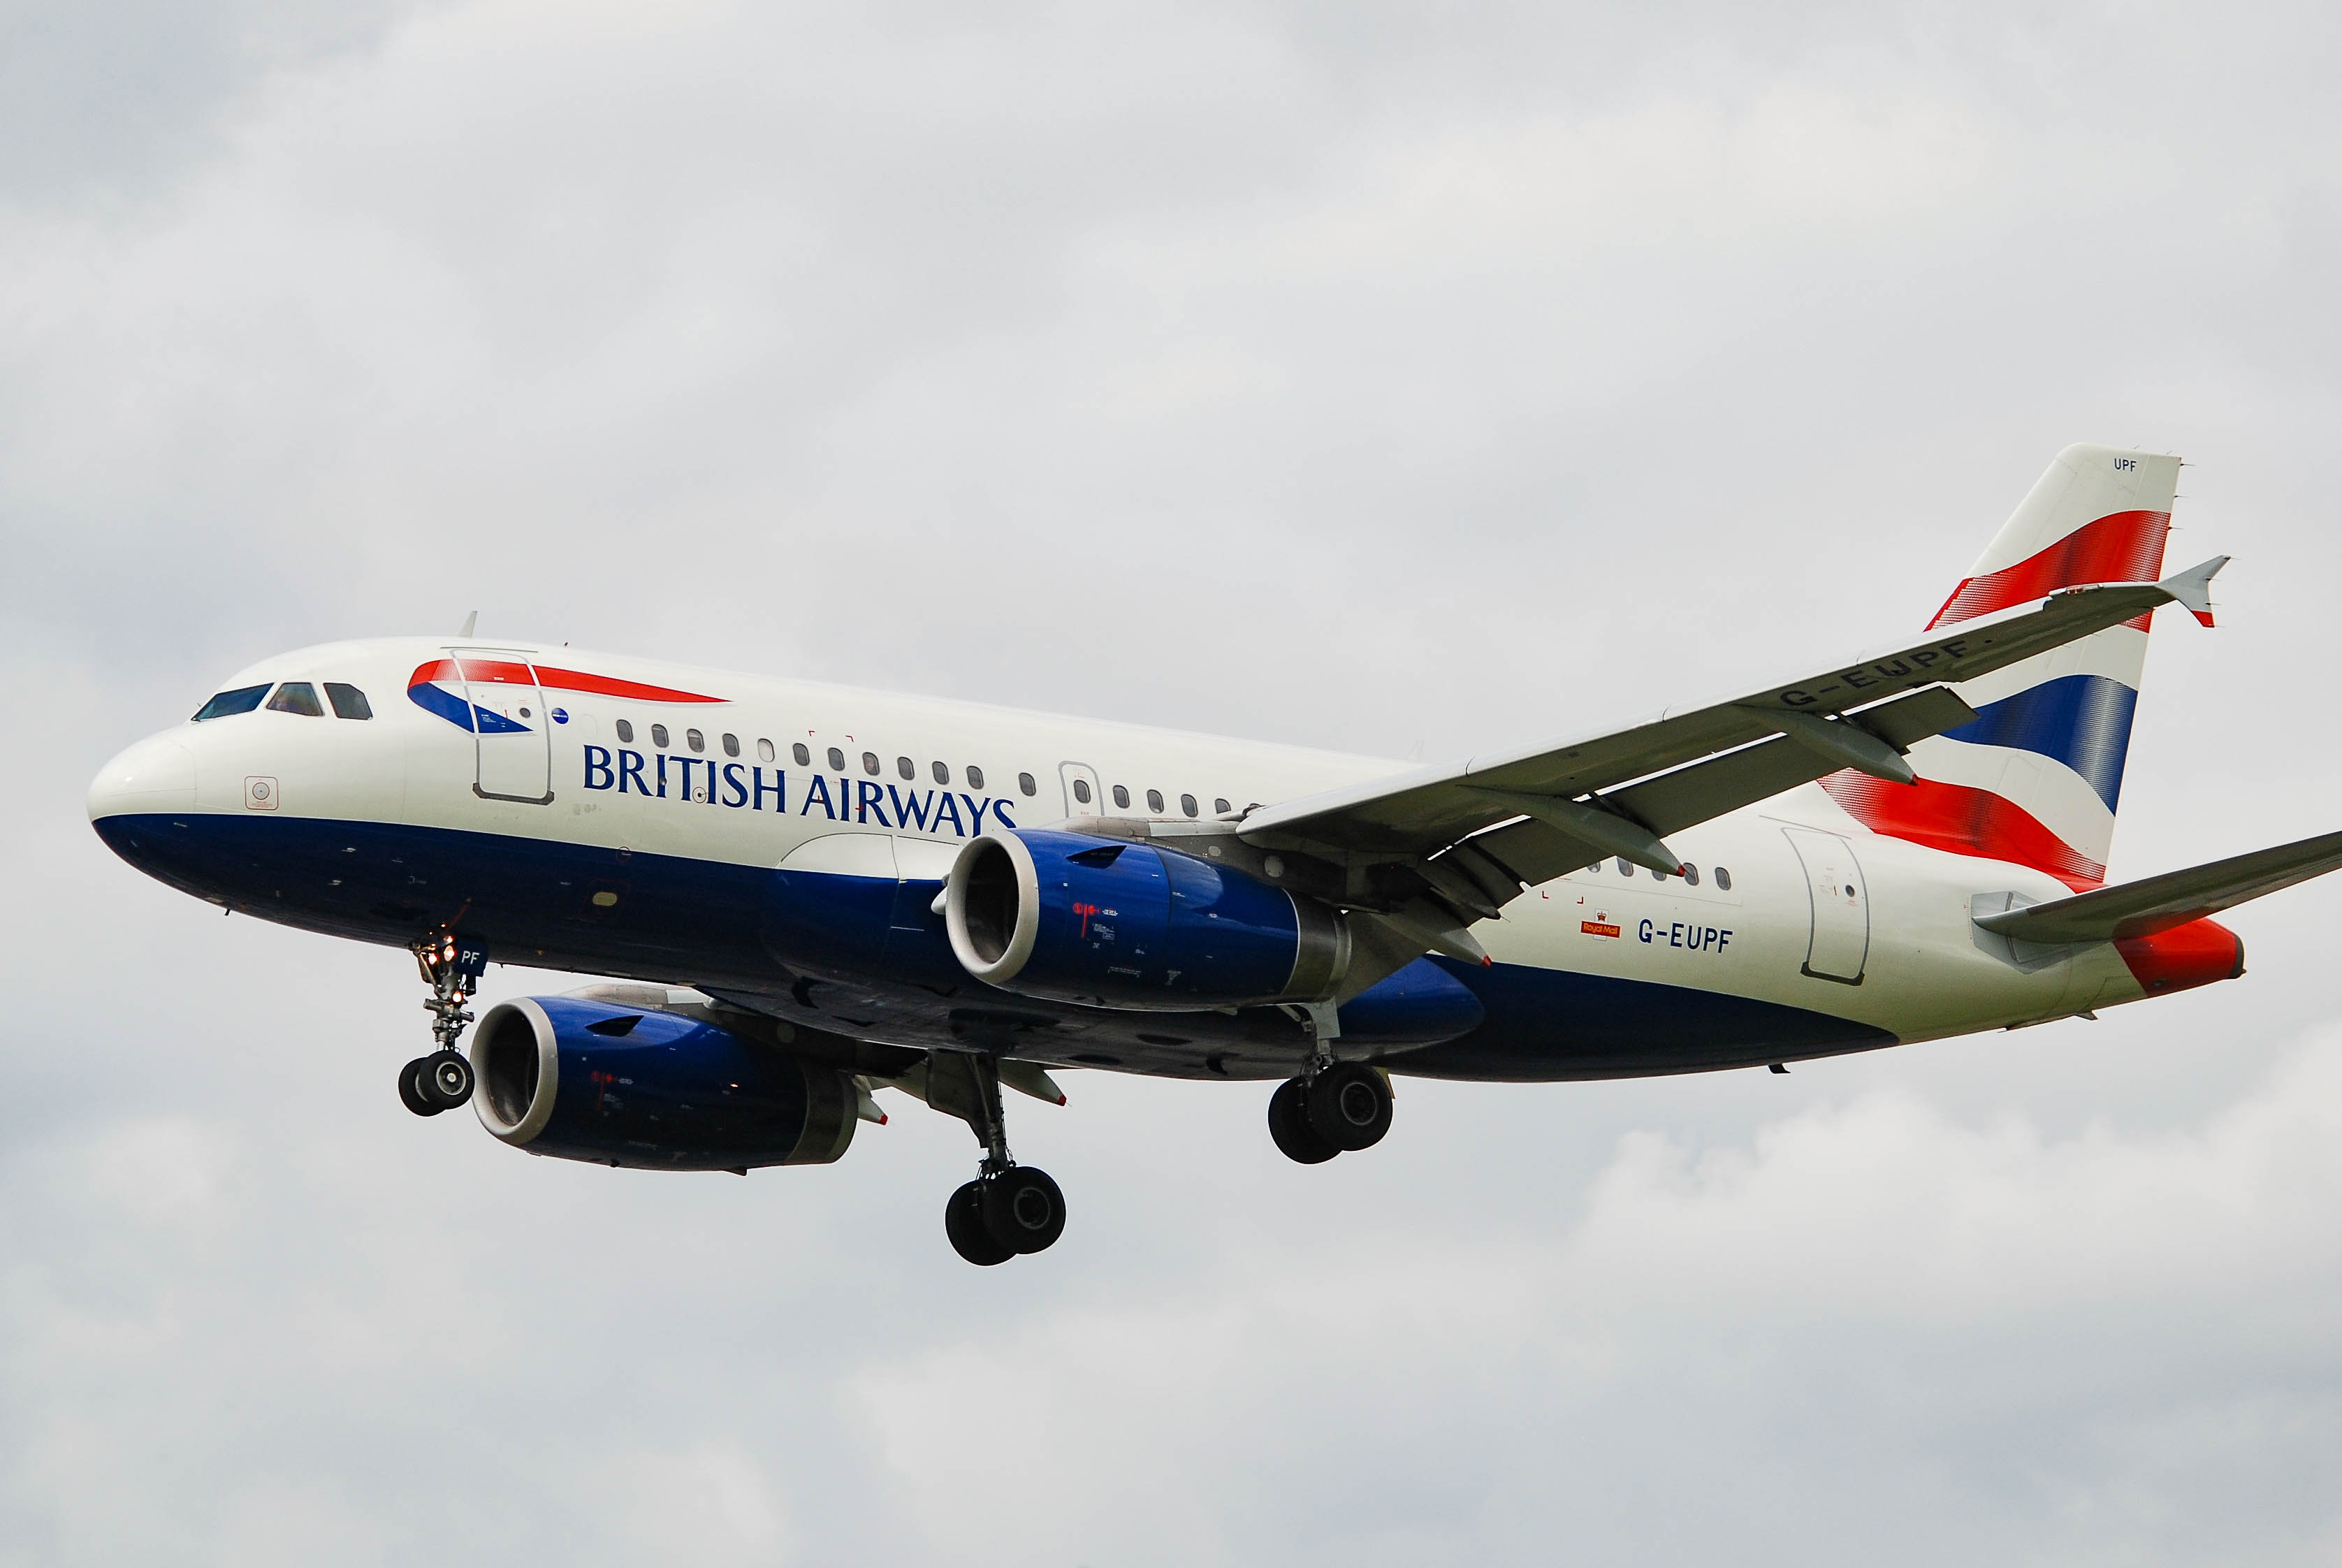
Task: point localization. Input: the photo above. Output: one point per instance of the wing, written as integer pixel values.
(2157, 903)
(1839, 718)
(1431, 850)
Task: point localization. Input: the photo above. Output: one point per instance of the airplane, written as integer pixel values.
(797, 895)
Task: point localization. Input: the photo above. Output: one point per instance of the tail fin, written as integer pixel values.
(2036, 779)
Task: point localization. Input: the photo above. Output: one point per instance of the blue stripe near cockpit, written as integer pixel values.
(2082, 720)
(458, 713)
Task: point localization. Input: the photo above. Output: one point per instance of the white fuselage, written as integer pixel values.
(1836, 925)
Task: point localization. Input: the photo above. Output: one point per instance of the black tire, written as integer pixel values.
(964, 1224)
(1023, 1209)
(410, 1088)
(446, 1079)
(1288, 1126)
(1349, 1106)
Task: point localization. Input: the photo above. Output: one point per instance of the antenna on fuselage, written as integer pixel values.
(470, 622)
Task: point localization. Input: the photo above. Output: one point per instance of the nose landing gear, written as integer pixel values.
(452, 967)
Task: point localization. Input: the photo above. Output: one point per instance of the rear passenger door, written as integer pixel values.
(514, 736)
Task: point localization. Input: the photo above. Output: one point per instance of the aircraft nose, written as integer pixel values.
(157, 775)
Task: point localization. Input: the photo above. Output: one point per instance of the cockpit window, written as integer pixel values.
(349, 703)
(242, 700)
(297, 697)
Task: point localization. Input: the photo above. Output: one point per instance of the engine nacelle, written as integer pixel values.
(1112, 924)
(586, 1080)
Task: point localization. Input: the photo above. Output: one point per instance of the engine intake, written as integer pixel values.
(584, 1080)
(1112, 924)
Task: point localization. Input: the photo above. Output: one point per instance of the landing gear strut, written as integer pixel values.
(1009, 1208)
(452, 967)
(1333, 1109)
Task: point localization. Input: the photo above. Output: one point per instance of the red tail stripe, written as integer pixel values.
(511, 673)
(1964, 821)
(2120, 547)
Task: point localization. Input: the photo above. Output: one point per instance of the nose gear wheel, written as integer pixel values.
(452, 967)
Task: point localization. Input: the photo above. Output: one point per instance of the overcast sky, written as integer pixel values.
(1375, 376)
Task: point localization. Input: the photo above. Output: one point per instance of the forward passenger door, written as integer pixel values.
(511, 729)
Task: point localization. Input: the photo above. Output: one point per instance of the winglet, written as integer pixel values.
(2193, 587)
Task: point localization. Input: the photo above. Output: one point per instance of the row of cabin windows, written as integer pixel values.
(292, 697)
(1690, 873)
(1220, 807)
(803, 754)
(349, 703)
(907, 769)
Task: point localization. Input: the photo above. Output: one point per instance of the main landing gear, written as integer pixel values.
(452, 968)
(1334, 1108)
(1009, 1208)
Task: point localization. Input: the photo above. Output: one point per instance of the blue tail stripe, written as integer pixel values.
(2082, 720)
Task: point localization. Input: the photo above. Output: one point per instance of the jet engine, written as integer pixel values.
(1112, 924)
(586, 1080)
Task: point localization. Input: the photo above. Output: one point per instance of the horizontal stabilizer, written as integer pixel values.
(2159, 903)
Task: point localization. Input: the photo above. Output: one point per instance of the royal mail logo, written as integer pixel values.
(1597, 928)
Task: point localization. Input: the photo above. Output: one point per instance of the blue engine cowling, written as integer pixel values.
(586, 1080)
(1112, 924)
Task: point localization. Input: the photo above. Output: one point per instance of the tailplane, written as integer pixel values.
(2036, 778)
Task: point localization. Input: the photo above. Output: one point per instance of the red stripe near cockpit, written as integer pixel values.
(507, 672)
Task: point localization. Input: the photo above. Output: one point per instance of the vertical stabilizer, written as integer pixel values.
(2036, 778)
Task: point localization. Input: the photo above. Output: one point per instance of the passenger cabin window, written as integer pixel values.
(658, 736)
(870, 763)
(243, 700)
(837, 759)
(907, 768)
(626, 731)
(804, 757)
(943, 774)
(695, 740)
(1187, 804)
(1691, 873)
(1154, 800)
(1219, 807)
(765, 752)
(732, 745)
(297, 697)
(1626, 866)
(1723, 880)
(1121, 795)
(1024, 782)
(1082, 791)
(349, 703)
(976, 777)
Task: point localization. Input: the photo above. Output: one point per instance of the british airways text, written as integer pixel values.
(738, 786)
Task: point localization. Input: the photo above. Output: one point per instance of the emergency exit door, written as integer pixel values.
(1083, 796)
(1841, 942)
(510, 727)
